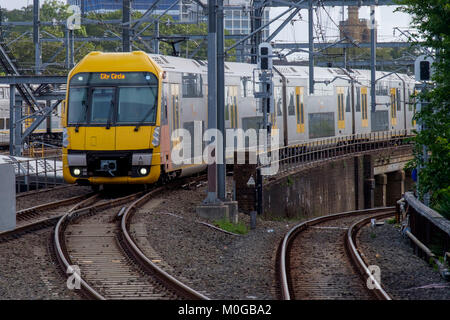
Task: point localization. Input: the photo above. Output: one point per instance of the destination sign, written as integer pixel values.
(113, 78)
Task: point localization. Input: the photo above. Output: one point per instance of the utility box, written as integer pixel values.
(7, 197)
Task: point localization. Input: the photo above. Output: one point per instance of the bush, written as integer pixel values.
(442, 202)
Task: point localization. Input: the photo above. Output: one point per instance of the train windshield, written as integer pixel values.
(134, 104)
(113, 98)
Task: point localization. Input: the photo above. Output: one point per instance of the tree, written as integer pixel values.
(432, 20)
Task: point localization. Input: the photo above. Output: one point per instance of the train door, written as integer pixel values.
(393, 106)
(175, 119)
(100, 135)
(300, 109)
(340, 107)
(364, 109)
(231, 112)
(165, 129)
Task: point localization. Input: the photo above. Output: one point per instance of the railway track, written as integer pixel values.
(45, 215)
(318, 259)
(111, 266)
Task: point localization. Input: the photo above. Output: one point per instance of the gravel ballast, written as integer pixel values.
(220, 265)
(404, 275)
(29, 272)
(32, 199)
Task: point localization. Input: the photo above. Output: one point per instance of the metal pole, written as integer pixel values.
(126, 19)
(15, 127)
(71, 49)
(67, 44)
(36, 38)
(157, 37)
(256, 23)
(373, 60)
(12, 102)
(221, 167)
(311, 47)
(212, 96)
(83, 7)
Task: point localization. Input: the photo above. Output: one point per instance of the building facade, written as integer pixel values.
(355, 28)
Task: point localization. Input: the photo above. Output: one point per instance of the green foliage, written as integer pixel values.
(54, 53)
(391, 221)
(442, 200)
(432, 18)
(239, 228)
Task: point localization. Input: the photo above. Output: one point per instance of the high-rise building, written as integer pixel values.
(140, 5)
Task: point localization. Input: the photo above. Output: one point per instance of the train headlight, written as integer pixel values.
(156, 134)
(143, 171)
(76, 172)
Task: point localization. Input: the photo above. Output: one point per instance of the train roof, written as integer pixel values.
(178, 64)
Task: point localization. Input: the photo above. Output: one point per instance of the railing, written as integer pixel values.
(295, 156)
(429, 232)
(37, 173)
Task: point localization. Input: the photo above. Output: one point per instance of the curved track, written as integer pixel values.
(110, 263)
(318, 259)
(45, 215)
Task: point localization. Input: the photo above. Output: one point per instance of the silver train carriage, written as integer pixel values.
(336, 109)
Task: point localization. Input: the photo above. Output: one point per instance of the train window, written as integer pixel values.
(77, 106)
(278, 101)
(291, 98)
(358, 99)
(300, 109)
(102, 105)
(399, 101)
(410, 101)
(382, 89)
(341, 111)
(7, 123)
(393, 107)
(364, 114)
(164, 106)
(192, 85)
(246, 87)
(347, 102)
(2, 124)
(2, 93)
(137, 105)
(175, 106)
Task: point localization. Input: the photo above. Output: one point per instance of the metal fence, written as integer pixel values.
(38, 173)
(293, 157)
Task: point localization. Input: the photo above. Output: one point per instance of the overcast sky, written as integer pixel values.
(298, 30)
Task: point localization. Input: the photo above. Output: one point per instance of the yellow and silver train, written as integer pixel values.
(121, 109)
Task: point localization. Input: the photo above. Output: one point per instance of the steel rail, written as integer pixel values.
(144, 261)
(356, 258)
(130, 246)
(28, 213)
(59, 241)
(287, 241)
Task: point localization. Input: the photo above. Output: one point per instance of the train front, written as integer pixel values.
(111, 120)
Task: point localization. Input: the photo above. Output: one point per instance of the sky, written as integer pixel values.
(298, 30)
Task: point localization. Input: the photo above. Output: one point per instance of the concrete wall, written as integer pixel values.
(335, 186)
